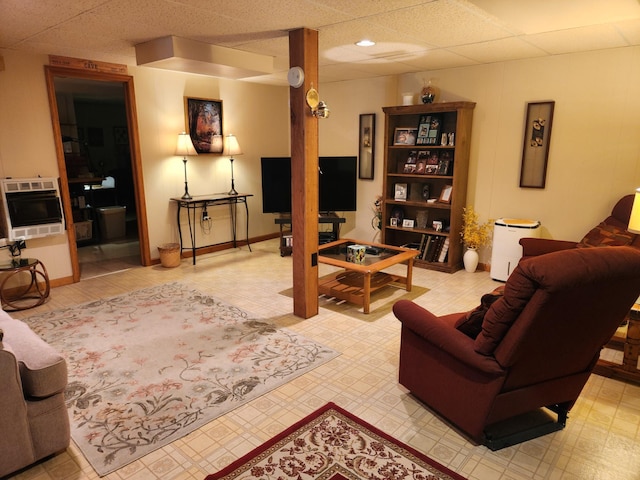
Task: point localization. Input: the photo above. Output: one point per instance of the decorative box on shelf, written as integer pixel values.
(356, 253)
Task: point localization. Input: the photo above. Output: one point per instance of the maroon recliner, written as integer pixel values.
(537, 345)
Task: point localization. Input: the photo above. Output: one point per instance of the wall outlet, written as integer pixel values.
(205, 216)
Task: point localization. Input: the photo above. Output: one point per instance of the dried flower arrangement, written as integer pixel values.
(474, 234)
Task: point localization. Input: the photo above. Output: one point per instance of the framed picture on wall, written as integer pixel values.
(367, 146)
(535, 148)
(203, 120)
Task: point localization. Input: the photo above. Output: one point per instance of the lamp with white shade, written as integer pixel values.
(185, 148)
(231, 148)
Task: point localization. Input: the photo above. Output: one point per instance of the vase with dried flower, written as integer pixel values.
(474, 235)
(428, 93)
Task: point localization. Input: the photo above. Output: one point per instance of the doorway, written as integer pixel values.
(94, 123)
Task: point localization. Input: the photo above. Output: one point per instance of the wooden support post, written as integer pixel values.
(303, 52)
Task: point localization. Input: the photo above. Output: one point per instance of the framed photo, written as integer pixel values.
(408, 223)
(400, 192)
(405, 136)
(367, 146)
(428, 130)
(535, 145)
(203, 120)
(445, 195)
(393, 222)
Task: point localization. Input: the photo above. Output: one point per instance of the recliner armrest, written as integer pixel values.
(532, 247)
(441, 333)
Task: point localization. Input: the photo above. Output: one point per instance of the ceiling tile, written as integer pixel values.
(442, 23)
(501, 50)
(578, 39)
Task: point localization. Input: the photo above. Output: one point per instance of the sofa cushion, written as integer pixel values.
(43, 370)
(504, 311)
(606, 235)
(471, 323)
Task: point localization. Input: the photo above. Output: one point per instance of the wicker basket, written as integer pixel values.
(169, 255)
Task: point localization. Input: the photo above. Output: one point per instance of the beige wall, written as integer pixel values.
(594, 156)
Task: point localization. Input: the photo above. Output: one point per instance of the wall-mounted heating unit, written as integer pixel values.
(31, 208)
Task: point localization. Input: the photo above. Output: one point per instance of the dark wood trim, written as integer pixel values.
(303, 52)
(136, 162)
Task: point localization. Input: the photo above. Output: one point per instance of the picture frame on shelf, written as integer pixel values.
(433, 161)
(409, 168)
(393, 222)
(400, 191)
(535, 144)
(367, 145)
(203, 120)
(445, 195)
(405, 136)
(444, 165)
(429, 130)
(408, 223)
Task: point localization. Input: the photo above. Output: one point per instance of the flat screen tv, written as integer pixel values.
(336, 189)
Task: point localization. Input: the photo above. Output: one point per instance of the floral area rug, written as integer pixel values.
(333, 444)
(151, 366)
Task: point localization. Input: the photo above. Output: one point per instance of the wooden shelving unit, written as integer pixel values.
(453, 117)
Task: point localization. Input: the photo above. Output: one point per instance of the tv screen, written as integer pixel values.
(336, 189)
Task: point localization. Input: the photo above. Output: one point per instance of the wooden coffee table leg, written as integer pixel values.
(366, 300)
(409, 274)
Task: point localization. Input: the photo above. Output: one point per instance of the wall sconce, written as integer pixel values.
(318, 108)
(231, 148)
(185, 147)
(322, 111)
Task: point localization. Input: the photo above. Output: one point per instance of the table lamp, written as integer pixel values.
(231, 148)
(185, 147)
(634, 220)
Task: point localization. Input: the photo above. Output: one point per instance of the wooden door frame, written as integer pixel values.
(134, 145)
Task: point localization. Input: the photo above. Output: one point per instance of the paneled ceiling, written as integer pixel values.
(410, 35)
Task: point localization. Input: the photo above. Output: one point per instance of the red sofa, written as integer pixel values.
(537, 345)
(612, 231)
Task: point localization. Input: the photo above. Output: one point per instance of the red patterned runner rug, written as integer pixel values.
(333, 444)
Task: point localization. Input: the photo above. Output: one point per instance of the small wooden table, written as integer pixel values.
(357, 282)
(629, 343)
(25, 295)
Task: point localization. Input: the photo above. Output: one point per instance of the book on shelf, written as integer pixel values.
(445, 250)
(432, 248)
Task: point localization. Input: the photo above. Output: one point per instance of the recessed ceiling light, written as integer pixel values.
(365, 43)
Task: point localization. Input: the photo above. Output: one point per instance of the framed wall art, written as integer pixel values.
(204, 124)
(366, 149)
(535, 148)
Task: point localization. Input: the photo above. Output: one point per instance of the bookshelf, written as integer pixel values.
(426, 163)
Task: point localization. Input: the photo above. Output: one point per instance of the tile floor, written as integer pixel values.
(601, 440)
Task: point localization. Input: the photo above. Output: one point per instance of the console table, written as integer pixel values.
(199, 203)
(35, 291)
(331, 218)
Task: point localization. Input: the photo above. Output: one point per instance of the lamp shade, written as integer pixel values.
(634, 220)
(231, 146)
(185, 146)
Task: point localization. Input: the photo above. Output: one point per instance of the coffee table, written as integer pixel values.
(357, 282)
